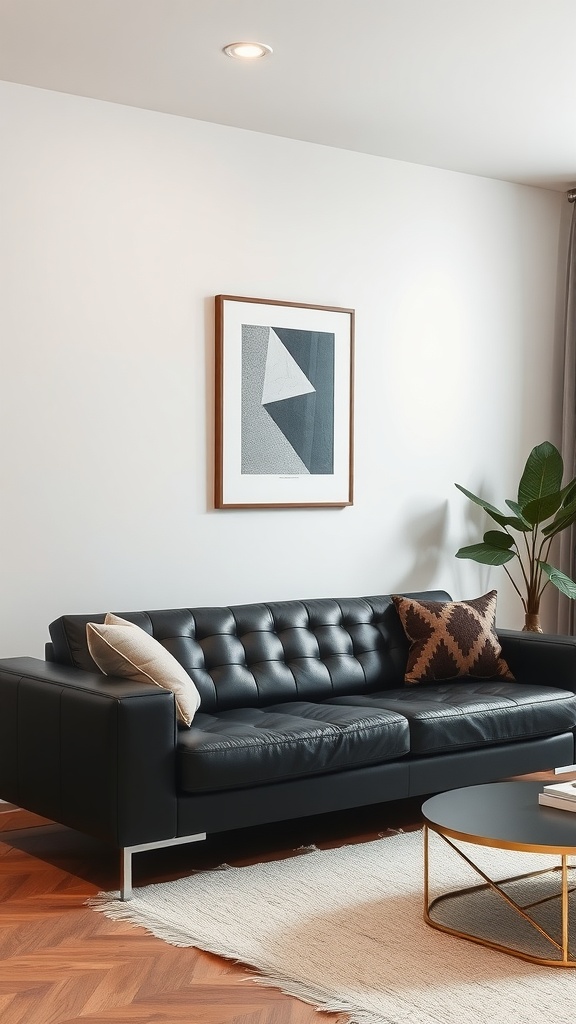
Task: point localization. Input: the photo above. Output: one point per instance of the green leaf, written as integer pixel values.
(512, 521)
(488, 554)
(542, 474)
(499, 517)
(517, 509)
(498, 540)
(491, 509)
(559, 579)
(569, 493)
(564, 518)
(538, 511)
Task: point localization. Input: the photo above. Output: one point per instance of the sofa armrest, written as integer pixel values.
(89, 751)
(540, 658)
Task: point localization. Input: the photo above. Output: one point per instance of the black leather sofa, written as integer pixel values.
(303, 711)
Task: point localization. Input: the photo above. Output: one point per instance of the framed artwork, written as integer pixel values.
(284, 404)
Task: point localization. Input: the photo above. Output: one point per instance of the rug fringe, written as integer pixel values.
(319, 998)
(109, 904)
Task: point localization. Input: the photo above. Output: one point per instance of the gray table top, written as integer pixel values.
(505, 815)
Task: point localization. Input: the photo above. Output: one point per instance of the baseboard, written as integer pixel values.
(564, 769)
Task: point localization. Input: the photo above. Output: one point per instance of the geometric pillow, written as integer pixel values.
(451, 639)
(120, 648)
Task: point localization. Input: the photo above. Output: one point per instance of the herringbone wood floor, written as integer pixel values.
(61, 963)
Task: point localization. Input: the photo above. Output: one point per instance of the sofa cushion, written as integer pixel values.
(243, 747)
(451, 639)
(120, 648)
(469, 713)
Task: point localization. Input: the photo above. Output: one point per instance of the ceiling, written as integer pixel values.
(486, 87)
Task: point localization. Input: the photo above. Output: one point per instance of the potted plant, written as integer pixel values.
(542, 510)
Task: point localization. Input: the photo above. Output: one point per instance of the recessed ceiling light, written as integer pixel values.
(247, 51)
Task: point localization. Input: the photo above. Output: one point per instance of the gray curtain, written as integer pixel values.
(567, 551)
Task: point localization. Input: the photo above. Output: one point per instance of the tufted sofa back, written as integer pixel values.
(256, 654)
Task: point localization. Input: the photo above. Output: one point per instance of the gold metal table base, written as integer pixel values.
(563, 957)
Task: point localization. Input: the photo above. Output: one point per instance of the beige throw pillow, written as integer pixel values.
(451, 639)
(120, 648)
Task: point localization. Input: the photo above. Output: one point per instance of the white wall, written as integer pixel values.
(118, 228)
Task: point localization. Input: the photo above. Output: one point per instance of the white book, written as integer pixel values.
(556, 801)
(566, 790)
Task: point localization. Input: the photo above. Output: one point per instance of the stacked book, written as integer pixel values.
(559, 794)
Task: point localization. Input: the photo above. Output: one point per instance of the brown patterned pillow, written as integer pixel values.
(451, 639)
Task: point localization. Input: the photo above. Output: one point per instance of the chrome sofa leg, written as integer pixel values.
(126, 852)
(126, 873)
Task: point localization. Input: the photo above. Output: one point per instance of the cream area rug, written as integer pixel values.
(342, 929)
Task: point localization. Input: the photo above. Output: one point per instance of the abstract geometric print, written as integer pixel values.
(283, 378)
(287, 401)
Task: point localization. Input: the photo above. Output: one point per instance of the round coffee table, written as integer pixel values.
(505, 816)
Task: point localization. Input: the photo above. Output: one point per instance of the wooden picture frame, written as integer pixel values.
(284, 404)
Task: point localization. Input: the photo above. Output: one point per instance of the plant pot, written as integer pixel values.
(532, 623)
